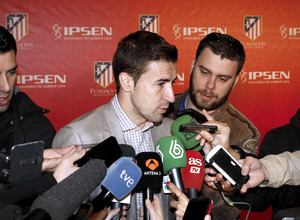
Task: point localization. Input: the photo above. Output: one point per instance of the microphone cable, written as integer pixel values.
(229, 201)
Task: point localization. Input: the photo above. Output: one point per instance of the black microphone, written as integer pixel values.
(64, 198)
(152, 177)
(127, 151)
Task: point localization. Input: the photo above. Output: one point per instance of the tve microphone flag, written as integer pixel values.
(173, 156)
(121, 178)
(127, 151)
(187, 137)
(152, 176)
(64, 198)
(193, 173)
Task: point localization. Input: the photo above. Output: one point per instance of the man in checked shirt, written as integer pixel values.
(145, 68)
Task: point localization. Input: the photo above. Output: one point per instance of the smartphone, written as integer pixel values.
(227, 165)
(198, 208)
(24, 162)
(108, 150)
(200, 118)
(192, 127)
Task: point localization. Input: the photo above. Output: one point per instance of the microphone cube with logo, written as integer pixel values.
(174, 158)
(187, 137)
(152, 176)
(193, 174)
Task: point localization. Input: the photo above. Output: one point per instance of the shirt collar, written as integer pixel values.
(126, 123)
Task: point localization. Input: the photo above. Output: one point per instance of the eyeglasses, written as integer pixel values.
(218, 37)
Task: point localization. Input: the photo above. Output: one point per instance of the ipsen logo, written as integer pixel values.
(82, 33)
(42, 81)
(195, 33)
(265, 77)
(293, 33)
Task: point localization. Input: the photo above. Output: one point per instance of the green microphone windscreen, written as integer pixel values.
(172, 153)
(188, 137)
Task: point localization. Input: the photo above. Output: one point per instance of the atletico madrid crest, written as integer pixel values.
(253, 26)
(17, 25)
(103, 73)
(149, 23)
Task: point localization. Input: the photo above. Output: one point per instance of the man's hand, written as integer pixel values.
(220, 137)
(66, 167)
(52, 157)
(106, 214)
(257, 172)
(182, 202)
(154, 208)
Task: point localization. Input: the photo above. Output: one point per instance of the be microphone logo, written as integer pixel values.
(195, 170)
(176, 151)
(152, 164)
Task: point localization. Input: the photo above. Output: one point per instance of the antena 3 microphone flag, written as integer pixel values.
(152, 171)
(152, 177)
(187, 138)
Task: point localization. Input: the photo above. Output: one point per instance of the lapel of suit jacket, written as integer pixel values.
(109, 124)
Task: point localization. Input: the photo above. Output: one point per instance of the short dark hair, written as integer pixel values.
(7, 41)
(224, 45)
(135, 51)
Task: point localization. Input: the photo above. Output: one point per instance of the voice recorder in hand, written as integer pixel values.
(227, 165)
(192, 127)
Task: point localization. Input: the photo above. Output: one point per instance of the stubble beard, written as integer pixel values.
(203, 104)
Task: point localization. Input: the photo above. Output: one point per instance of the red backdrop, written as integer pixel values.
(65, 50)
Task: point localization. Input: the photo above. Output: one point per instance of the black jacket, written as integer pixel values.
(23, 122)
(276, 141)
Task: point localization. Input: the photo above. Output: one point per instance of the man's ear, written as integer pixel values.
(126, 81)
(192, 66)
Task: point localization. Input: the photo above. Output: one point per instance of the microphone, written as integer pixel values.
(152, 177)
(121, 178)
(127, 151)
(187, 138)
(193, 174)
(64, 198)
(108, 150)
(173, 156)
